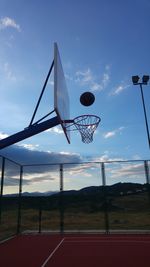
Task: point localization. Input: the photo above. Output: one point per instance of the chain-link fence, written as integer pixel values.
(78, 197)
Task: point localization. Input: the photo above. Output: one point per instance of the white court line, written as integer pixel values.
(50, 256)
(7, 239)
(108, 238)
(107, 241)
(84, 237)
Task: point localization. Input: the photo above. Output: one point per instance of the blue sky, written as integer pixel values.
(102, 44)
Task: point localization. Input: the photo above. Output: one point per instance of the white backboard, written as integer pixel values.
(61, 97)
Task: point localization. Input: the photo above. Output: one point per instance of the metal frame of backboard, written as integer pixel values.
(61, 107)
(61, 97)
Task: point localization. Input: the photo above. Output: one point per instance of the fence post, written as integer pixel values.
(61, 200)
(2, 186)
(40, 214)
(105, 198)
(19, 200)
(147, 175)
(146, 167)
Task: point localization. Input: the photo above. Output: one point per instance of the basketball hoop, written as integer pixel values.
(86, 125)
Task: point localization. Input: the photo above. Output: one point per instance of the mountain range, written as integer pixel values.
(115, 189)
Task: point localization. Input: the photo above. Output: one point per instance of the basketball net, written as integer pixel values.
(86, 125)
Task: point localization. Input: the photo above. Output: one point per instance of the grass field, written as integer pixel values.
(77, 213)
(73, 221)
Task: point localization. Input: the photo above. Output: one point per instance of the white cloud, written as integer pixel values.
(87, 78)
(119, 89)
(83, 169)
(69, 153)
(7, 22)
(109, 134)
(105, 79)
(128, 170)
(84, 77)
(102, 158)
(24, 155)
(96, 87)
(8, 72)
(113, 133)
(3, 135)
(56, 130)
(39, 177)
(29, 146)
(39, 173)
(107, 158)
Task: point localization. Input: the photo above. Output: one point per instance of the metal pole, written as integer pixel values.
(61, 200)
(40, 214)
(147, 174)
(43, 89)
(2, 186)
(20, 198)
(28, 132)
(146, 122)
(146, 167)
(105, 198)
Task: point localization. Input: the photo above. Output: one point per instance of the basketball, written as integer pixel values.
(87, 99)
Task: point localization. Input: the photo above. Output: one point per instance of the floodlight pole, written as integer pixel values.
(135, 82)
(144, 108)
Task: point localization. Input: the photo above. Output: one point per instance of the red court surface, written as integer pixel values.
(76, 251)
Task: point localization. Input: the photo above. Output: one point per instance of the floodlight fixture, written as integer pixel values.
(135, 79)
(145, 79)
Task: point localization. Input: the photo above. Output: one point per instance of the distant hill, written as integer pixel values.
(33, 194)
(114, 197)
(115, 189)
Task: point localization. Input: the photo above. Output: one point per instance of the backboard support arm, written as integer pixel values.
(42, 92)
(29, 131)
